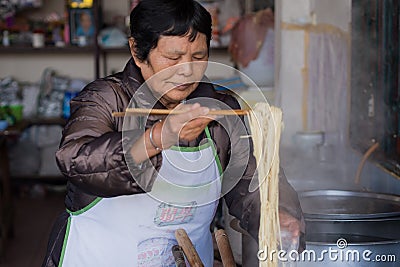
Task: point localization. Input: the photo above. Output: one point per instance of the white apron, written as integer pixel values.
(138, 230)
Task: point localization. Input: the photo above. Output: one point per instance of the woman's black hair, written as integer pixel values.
(152, 18)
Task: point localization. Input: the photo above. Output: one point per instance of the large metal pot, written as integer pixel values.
(348, 228)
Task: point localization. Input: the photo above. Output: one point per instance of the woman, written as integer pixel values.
(132, 182)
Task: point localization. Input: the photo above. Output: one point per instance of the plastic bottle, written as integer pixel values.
(6, 39)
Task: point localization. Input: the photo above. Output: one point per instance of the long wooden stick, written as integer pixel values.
(144, 111)
(188, 248)
(224, 248)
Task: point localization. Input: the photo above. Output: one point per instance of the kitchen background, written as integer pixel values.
(335, 67)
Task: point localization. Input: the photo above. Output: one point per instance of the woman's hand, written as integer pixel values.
(290, 230)
(186, 126)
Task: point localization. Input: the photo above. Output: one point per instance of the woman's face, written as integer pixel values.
(86, 21)
(179, 65)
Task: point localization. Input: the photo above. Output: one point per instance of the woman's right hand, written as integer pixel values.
(186, 126)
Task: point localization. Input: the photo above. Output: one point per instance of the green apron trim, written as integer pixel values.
(200, 147)
(65, 242)
(190, 149)
(215, 152)
(88, 207)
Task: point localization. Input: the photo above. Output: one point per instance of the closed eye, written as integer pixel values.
(173, 58)
(199, 57)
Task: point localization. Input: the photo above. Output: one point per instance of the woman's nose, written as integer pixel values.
(185, 68)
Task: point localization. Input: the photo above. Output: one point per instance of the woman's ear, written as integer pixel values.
(133, 53)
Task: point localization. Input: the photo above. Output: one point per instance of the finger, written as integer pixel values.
(195, 106)
(191, 112)
(191, 133)
(199, 122)
(186, 107)
(193, 129)
(285, 218)
(293, 229)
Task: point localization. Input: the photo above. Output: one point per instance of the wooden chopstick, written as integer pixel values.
(144, 111)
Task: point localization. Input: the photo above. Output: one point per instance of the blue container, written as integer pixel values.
(3, 125)
(66, 103)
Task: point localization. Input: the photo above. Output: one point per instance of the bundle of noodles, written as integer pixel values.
(265, 125)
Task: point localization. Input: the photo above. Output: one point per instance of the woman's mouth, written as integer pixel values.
(182, 86)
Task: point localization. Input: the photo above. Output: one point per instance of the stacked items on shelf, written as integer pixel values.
(10, 102)
(35, 146)
(20, 30)
(49, 98)
(74, 24)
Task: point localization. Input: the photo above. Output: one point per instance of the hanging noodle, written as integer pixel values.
(265, 125)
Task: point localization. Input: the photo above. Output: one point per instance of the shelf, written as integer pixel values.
(124, 49)
(218, 48)
(19, 127)
(47, 49)
(73, 49)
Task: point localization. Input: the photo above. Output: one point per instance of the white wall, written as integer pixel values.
(304, 167)
(295, 20)
(337, 13)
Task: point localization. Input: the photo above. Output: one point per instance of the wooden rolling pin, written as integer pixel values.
(224, 248)
(188, 248)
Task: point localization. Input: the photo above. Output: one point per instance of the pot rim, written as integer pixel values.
(361, 219)
(319, 215)
(386, 242)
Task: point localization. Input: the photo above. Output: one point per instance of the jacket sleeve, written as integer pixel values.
(244, 203)
(91, 152)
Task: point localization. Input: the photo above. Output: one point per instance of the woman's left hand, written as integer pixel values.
(290, 225)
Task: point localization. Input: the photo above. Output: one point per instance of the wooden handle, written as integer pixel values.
(144, 111)
(188, 248)
(179, 257)
(224, 248)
